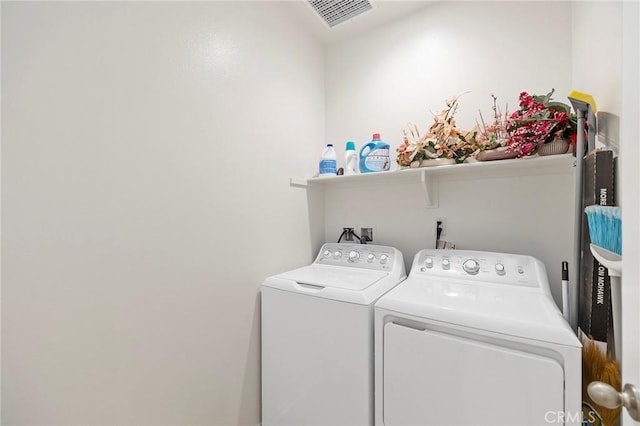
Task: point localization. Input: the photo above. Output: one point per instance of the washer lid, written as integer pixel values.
(351, 285)
(514, 311)
(334, 277)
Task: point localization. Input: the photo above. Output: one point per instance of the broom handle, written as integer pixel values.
(577, 226)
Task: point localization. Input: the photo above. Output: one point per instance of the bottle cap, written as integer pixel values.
(376, 136)
(329, 144)
(351, 146)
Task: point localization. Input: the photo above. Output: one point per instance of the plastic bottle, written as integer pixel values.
(328, 161)
(374, 156)
(350, 159)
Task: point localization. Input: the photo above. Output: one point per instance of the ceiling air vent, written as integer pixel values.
(334, 12)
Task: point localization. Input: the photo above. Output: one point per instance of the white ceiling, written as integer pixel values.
(383, 11)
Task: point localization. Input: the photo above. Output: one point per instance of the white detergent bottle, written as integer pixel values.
(350, 159)
(328, 161)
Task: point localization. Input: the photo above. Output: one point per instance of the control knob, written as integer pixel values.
(371, 257)
(446, 264)
(384, 258)
(428, 262)
(499, 269)
(471, 266)
(337, 254)
(327, 253)
(353, 256)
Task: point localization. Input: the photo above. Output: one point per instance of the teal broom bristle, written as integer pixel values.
(605, 227)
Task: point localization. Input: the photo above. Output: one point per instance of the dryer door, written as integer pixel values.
(433, 378)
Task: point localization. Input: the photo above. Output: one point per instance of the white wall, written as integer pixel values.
(596, 52)
(146, 154)
(398, 73)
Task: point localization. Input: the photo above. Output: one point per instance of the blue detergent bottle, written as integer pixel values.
(374, 156)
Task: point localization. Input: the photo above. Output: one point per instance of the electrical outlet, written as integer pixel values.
(443, 226)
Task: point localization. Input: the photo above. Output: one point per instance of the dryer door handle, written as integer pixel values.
(417, 327)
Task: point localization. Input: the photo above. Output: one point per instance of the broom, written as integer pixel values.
(599, 367)
(605, 227)
(605, 231)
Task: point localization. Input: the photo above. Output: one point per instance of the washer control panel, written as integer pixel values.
(501, 268)
(366, 256)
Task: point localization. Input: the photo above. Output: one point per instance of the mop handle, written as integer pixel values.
(565, 291)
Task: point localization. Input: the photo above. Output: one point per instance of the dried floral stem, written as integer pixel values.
(484, 126)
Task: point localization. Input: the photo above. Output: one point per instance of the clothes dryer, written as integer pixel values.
(474, 338)
(317, 336)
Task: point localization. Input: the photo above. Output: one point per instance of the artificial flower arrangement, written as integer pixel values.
(443, 140)
(495, 134)
(538, 121)
(492, 139)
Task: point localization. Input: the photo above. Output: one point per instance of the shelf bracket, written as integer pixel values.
(298, 182)
(430, 190)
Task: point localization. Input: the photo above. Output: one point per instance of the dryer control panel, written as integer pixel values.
(366, 256)
(500, 268)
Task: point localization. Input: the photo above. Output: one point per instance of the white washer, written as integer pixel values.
(475, 338)
(317, 336)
